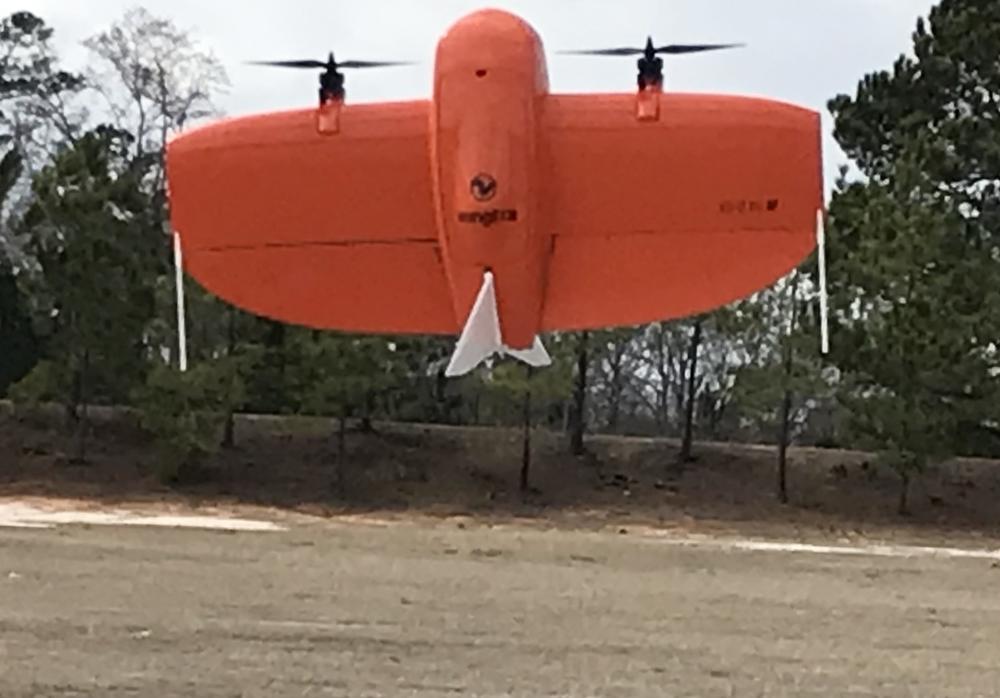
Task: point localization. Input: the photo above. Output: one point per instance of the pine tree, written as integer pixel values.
(914, 247)
(18, 346)
(87, 234)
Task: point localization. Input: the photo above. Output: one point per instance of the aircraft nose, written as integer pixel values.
(498, 22)
(490, 36)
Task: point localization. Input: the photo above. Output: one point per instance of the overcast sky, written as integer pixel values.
(802, 51)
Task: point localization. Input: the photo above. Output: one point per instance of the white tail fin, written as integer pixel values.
(823, 299)
(481, 337)
(181, 315)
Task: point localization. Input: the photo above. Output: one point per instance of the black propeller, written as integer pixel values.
(330, 64)
(331, 81)
(650, 65)
(649, 51)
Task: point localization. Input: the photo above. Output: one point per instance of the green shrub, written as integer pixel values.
(185, 412)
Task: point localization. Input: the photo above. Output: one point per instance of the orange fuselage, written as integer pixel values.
(490, 85)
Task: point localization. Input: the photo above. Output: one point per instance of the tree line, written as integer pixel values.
(87, 311)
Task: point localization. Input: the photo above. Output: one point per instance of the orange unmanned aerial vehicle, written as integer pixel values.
(497, 210)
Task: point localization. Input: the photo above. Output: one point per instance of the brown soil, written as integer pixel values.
(411, 470)
(563, 592)
(431, 609)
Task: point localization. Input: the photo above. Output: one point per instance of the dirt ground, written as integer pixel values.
(411, 470)
(428, 574)
(442, 608)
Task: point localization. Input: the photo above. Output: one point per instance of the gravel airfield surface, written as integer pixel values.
(315, 607)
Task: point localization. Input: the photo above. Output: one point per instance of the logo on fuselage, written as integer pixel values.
(483, 187)
(488, 218)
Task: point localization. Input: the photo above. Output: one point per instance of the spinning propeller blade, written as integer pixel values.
(290, 64)
(330, 63)
(650, 50)
(372, 64)
(676, 49)
(606, 52)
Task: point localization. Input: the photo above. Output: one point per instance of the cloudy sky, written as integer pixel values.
(802, 51)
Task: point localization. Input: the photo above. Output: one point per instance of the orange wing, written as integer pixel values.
(328, 231)
(658, 220)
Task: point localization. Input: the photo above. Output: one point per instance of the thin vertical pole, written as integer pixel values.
(181, 316)
(823, 298)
